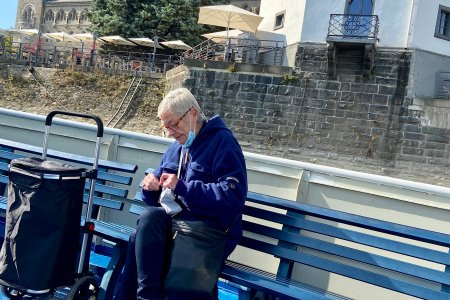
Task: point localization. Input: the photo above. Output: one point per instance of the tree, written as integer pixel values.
(168, 19)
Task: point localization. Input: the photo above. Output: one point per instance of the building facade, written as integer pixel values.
(71, 15)
(54, 15)
(421, 27)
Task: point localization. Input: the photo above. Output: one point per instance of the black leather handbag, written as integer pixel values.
(196, 261)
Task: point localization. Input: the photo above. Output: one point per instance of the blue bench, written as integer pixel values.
(396, 257)
(341, 243)
(111, 191)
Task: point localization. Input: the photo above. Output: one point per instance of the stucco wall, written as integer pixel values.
(403, 24)
(317, 17)
(425, 70)
(293, 23)
(424, 25)
(394, 17)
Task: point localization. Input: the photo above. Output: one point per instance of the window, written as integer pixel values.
(28, 15)
(279, 20)
(83, 16)
(443, 23)
(60, 16)
(72, 16)
(49, 16)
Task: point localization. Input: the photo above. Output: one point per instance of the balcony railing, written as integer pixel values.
(353, 27)
(240, 50)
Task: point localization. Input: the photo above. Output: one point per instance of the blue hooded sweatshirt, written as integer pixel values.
(213, 180)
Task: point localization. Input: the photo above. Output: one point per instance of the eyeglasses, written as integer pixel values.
(175, 127)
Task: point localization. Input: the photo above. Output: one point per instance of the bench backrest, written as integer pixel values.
(110, 189)
(365, 249)
(348, 245)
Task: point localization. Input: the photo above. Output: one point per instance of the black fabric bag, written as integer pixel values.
(196, 261)
(42, 231)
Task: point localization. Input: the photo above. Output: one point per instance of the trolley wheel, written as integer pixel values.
(11, 293)
(84, 288)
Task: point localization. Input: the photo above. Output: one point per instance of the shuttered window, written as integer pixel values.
(443, 23)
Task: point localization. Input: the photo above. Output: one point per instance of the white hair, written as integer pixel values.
(179, 101)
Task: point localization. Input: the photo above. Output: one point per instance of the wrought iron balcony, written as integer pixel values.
(353, 28)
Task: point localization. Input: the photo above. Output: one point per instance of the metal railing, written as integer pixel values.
(249, 51)
(353, 26)
(55, 56)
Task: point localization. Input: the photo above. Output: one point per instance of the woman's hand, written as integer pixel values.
(150, 183)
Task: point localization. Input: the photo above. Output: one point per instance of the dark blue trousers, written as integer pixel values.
(148, 257)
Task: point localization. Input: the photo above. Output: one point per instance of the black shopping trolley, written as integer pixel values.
(42, 251)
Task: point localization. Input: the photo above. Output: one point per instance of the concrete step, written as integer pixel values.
(349, 66)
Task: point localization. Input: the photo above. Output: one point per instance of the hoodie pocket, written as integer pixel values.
(196, 171)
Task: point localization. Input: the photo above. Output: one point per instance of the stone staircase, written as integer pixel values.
(349, 61)
(357, 59)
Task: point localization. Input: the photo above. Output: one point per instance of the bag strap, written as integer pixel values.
(185, 154)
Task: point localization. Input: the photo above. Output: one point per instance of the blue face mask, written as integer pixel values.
(190, 139)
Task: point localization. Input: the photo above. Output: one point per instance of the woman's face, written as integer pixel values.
(176, 126)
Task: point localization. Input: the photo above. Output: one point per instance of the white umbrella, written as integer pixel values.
(62, 37)
(177, 45)
(229, 16)
(116, 40)
(84, 36)
(31, 32)
(144, 42)
(221, 36)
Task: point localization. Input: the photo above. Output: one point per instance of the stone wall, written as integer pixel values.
(350, 121)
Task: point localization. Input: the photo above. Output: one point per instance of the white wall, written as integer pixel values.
(394, 18)
(317, 17)
(293, 23)
(403, 23)
(423, 27)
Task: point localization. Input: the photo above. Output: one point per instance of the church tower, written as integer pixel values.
(29, 14)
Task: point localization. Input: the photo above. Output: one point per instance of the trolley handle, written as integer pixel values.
(48, 119)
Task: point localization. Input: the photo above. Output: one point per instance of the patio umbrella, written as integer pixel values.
(116, 40)
(62, 37)
(31, 32)
(145, 42)
(229, 16)
(221, 36)
(87, 37)
(177, 45)
(84, 36)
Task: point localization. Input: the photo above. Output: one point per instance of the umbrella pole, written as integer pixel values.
(227, 48)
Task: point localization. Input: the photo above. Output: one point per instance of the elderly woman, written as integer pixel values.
(204, 172)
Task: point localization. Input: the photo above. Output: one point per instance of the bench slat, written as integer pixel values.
(345, 270)
(105, 202)
(112, 232)
(350, 253)
(4, 179)
(352, 236)
(267, 282)
(106, 189)
(3, 166)
(418, 234)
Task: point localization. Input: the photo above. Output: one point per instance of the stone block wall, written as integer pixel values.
(349, 121)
